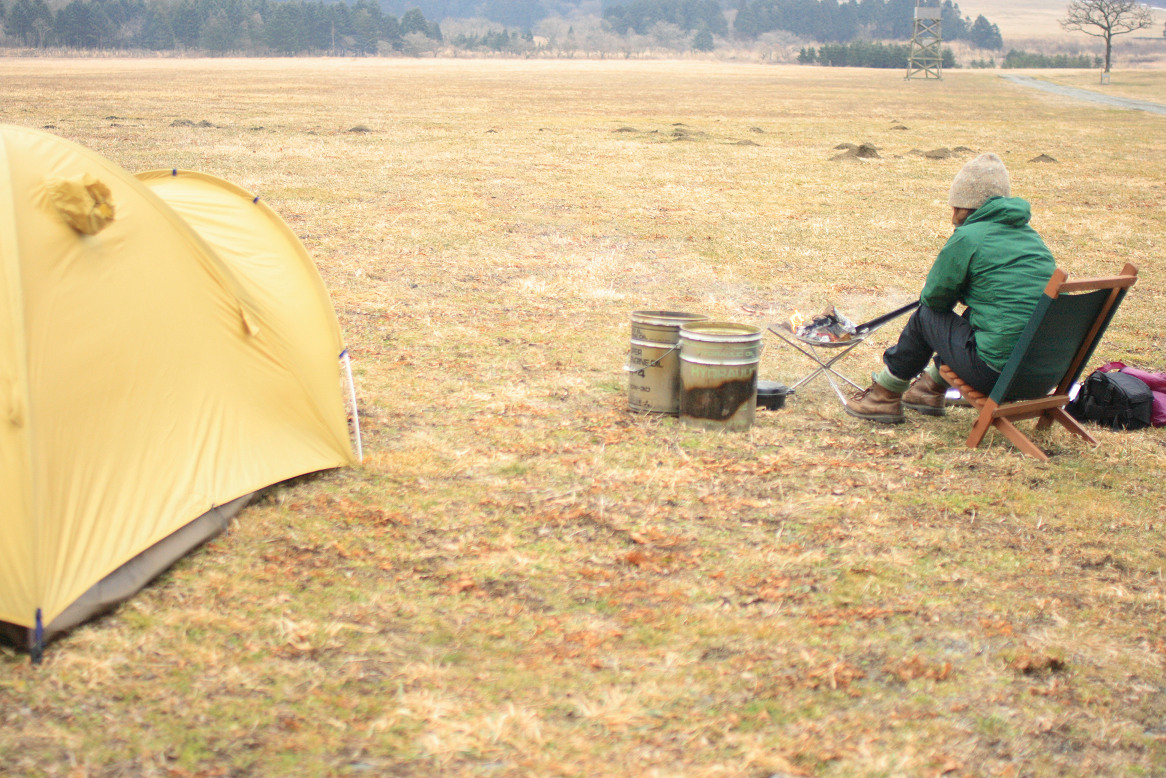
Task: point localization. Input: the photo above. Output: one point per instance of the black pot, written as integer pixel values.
(771, 395)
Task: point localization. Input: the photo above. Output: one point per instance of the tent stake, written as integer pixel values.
(37, 651)
(352, 399)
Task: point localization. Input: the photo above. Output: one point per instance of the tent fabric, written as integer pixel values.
(269, 262)
(183, 355)
(131, 576)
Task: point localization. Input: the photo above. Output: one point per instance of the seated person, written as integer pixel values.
(996, 265)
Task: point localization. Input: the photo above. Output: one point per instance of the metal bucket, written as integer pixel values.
(653, 363)
(718, 374)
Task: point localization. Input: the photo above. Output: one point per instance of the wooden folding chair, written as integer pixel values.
(1058, 340)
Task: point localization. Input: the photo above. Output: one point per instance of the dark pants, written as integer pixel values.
(946, 336)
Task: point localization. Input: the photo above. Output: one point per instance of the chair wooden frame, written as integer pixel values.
(994, 411)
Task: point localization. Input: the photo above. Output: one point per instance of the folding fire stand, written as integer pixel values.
(809, 347)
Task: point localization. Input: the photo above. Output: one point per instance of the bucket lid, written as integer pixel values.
(720, 332)
(666, 318)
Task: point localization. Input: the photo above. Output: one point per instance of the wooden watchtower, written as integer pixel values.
(926, 59)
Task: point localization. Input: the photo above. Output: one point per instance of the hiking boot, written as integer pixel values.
(876, 404)
(926, 396)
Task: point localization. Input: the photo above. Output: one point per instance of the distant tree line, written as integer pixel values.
(840, 22)
(493, 40)
(216, 26)
(865, 54)
(640, 16)
(1025, 59)
(290, 27)
(520, 14)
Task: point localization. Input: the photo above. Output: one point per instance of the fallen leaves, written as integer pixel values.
(836, 675)
(462, 584)
(916, 666)
(1035, 661)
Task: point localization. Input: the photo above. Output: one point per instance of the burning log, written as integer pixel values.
(827, 327)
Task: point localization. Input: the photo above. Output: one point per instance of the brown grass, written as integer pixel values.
(524, 578)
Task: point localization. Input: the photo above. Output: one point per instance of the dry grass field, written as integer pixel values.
(1033, 18)
(525, 579)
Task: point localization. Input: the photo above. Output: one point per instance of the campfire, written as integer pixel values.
(827, 327)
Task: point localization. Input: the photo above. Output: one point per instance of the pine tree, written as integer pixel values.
(985, 35)
(29, 20)
(282, 27)
(156, 34)
(414, 21)
(186, 22)
(703, 40)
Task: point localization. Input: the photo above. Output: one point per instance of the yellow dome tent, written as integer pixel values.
(167, 348)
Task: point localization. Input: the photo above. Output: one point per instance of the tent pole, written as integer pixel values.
(352, 399)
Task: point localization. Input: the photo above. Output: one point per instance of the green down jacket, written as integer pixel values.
(996, 265)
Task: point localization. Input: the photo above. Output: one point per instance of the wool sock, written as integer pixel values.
(890, 382)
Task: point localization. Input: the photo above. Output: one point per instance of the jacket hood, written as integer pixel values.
(1012, 211)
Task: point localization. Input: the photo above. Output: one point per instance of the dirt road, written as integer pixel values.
(1087, 94)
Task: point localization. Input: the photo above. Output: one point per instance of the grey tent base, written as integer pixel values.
(128, 579)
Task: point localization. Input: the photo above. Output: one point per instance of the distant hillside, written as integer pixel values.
(1040, 18)
(1026, 19)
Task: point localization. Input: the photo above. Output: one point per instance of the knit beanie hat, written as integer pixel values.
(978, 181)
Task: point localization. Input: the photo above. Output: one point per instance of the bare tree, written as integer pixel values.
(1105, 19)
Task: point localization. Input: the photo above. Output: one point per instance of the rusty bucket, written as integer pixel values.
(653, 362)
(718, 374)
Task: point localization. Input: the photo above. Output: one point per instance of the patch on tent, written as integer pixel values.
(249, 323)
(15, 406)
(84, 203)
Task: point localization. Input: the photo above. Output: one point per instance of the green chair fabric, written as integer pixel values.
(1052, 351)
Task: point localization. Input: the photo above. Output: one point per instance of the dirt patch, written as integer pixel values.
(1042, 158)
(939, 153)
(863, 151)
